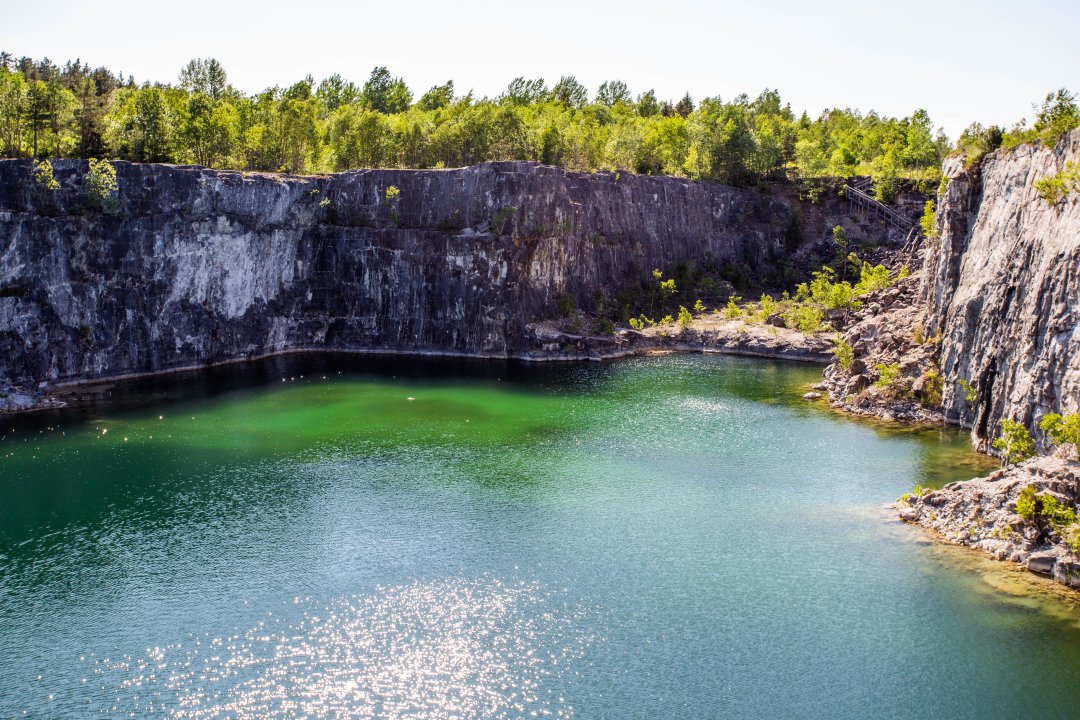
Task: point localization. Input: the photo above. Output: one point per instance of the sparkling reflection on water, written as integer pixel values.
(442, 649)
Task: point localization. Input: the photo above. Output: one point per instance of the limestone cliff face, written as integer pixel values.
(203, 266)
(1002, 284)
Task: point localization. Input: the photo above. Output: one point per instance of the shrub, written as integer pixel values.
(1027, 506)
(44, 181)
(685, 318)
(844, 353)
(501, 217)
(1062, 430)
(872, 279)
(667, 320)
(933, 387)
(392, 193)
(970, 393)
(804, 317)
(566, 305)
(603, 326)
(732, 309)
(929, 221)
(101, 186)
(888, 375)
(766, 307)
(699, 307)
(1054, 188)
(1014, 443)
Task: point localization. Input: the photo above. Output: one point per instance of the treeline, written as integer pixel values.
(333, 125)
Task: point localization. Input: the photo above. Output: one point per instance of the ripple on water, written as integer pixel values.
(451, 648)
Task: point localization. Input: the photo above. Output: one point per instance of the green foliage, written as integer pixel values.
(699, 307)
(976, 141)
(603, 326)
(101, 186)
(392, 193)
(872, 279)
(1055, 188)
(576, 323)
(804, 317)
(732, 309)
(933, 387)
(565, 305)
(501, 217)
(336, 125)
(636, 323)
(844, 353)
(888, 375)
(767, 307)
(1027, 505)
(1062, 430)
(970, 393)
(686, 320)
(1032, 506)
(1014, 443)
(44, 182)
(928, 222)
(666, 320)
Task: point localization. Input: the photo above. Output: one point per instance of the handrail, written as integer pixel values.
(891, 216)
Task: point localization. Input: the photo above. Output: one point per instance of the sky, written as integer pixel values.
(961, 61)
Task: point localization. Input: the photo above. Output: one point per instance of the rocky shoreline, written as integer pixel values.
(983, 513)
(709, 334)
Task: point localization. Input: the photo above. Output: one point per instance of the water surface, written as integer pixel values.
(660, 537)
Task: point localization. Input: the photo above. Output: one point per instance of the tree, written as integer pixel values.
(386, 94)
(570, 92)
(205, 76)
(614, 92)
(1057, 115)
(647, 105)
(335, 91)
(524, 92)
(437, 97)
(685, 106)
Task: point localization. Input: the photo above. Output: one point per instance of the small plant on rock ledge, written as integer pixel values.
(102, 188)
(1014, 443)
(844, 353)
(1063, 430)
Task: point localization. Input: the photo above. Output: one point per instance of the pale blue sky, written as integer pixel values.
(962, 61)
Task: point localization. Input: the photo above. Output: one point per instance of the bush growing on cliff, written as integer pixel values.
(888, 376)
(1014, 443)
(1063, 430)
(844, 353)
(44, 182)
(685, 318)
(928, 222)
(101, 187)
(970, 393)
(1055, 188)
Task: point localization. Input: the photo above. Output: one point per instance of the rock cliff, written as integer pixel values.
(997, 307)
(1002, 286)
(200, 266)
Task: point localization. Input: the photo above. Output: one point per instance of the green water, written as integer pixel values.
(677, 537)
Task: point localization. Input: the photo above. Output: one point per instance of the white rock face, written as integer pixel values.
(1003, 286)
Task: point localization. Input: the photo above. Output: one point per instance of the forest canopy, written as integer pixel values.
(337, 124)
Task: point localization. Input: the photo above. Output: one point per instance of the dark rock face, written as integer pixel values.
(1002, 285)
(203, 266)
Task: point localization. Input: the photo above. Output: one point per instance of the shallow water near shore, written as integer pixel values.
(678, 536)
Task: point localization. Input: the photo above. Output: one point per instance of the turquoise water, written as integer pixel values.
(670, 537)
